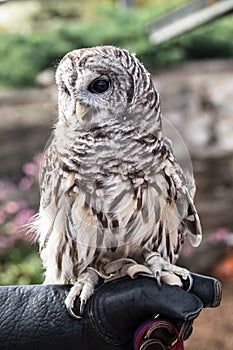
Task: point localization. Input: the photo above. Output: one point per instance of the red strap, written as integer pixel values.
(140, 332)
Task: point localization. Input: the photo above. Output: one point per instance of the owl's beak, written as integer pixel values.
(80, 110)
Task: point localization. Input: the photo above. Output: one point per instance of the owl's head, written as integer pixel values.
(100, 85)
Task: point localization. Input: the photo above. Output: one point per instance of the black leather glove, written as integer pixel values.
(35, 317)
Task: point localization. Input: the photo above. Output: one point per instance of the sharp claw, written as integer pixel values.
(158, 278)
(83, 287)
(190, 282)
(82, 305)
(71, 312)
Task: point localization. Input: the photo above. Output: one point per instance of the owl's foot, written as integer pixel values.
(84, 288)
(167, 272)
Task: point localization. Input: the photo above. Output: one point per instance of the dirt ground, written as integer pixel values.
(213, 330)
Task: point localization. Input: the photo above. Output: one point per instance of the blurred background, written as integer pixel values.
(193, 73)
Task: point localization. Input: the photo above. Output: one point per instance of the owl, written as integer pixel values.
(111, 187)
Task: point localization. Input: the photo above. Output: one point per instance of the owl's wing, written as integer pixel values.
(180, 195)
(52, 201)
(57, 249)
(49, 175)
(190, 223)
(171, 196)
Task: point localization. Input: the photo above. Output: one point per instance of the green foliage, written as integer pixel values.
(31, 54)
(211, 41)
(23, 56)
(20, 265)
(54, 9)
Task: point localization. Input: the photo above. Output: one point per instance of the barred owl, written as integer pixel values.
(110, 184)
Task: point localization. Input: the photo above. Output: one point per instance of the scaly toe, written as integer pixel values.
(84, 288)
(167, 272)
(154, 262)
(72, 295)
(171, 278)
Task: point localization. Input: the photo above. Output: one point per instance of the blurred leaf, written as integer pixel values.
(21, 265)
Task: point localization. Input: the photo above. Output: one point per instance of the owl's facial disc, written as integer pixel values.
(94, 88)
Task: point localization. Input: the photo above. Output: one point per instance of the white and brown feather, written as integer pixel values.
(110, 186)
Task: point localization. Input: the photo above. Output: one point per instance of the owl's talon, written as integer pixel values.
(82, 288)
(168, 272)
(189, 276)
(71, 312)
(158, 279)
(82, 306)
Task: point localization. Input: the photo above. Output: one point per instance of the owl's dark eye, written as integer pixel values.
(99, 86)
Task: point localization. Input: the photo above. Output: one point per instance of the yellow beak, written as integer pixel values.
(80, 110)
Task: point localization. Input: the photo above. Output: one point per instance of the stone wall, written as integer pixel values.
(26, 119)
(197, 99)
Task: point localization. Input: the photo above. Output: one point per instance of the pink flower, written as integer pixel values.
(22, 204)
(220, 235)
(11, 207)
(23, 216)
(6, 188)
(187, 251)
(25, 183)
(37, 159)
(2, 193)
(2, 217)
(30, 169)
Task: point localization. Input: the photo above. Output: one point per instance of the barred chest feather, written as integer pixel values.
(120, 194)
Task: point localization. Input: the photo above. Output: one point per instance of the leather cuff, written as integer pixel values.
(208, 289)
